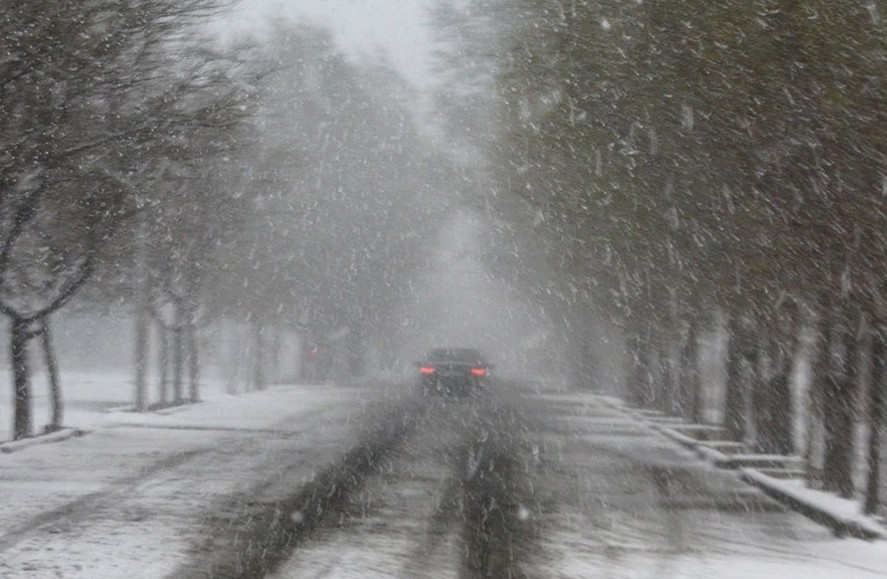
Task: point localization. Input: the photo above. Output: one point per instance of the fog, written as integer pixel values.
(345, 221)
(457, 302)
(232, 232)
(394, 30)
(645, 199)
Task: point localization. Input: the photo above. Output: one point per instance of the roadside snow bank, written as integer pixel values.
(841, 515)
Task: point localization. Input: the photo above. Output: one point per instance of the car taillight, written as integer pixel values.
(426, 370)
(479, 371)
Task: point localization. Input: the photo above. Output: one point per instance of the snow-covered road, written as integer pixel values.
(368, 482)
(563, 486)
(558, 485)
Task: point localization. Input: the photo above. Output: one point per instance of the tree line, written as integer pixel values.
(695, 167)
(151, 168)
(91, 99)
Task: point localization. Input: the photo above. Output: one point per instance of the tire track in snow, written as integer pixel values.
(500, 506)
(402, 514)
(454, 501)
(252, 539)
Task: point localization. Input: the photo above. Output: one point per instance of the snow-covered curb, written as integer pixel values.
(714, 456)
(707, 450)
(57, 436)
(683, 439)
(841, 515)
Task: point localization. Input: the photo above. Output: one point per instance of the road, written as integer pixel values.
(375, 483)
(524, 485)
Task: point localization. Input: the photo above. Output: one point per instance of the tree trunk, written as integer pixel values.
(758, 391)
(691, 384)
(143, 321)
(55, 386)
(632, 347)
(838, 418)
(163, 363)
(258, 358)
(22, 418)
(668, 400)
(734, 407)
(637, 378)
(644, 394)
(179, 324)
(193, 363)
(235, 363)
(356, 351)
(822, 360)
(652, 393)
(188, 308)
(275, 362)
(681, 384)
(178, 362)
(775, 425)
(876, 423)
(781, 432)
(775, 432)
(141, 358)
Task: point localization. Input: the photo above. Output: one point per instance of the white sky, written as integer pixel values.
(362, 27)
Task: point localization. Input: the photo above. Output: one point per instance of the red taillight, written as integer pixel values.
(426, 370)
(478, 371)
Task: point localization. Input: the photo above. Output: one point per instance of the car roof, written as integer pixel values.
(456, 355)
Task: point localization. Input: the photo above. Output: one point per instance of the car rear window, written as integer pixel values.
(464, 355)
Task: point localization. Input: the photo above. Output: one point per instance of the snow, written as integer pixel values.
(395, 534)
(827, 561)
(94, 400)
(712, 455)
(693, 541)
(57, 436)
(846, 510)
(128, 498)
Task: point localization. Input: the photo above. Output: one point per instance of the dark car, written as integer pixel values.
(454, 372)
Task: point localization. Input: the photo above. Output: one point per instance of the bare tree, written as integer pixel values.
(73, 126)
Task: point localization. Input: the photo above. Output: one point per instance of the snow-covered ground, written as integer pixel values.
(562, 483)
(87, 397)
(131, 498)
(848, 511)
(692, 521)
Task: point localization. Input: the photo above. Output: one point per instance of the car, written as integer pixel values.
(454, 372)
